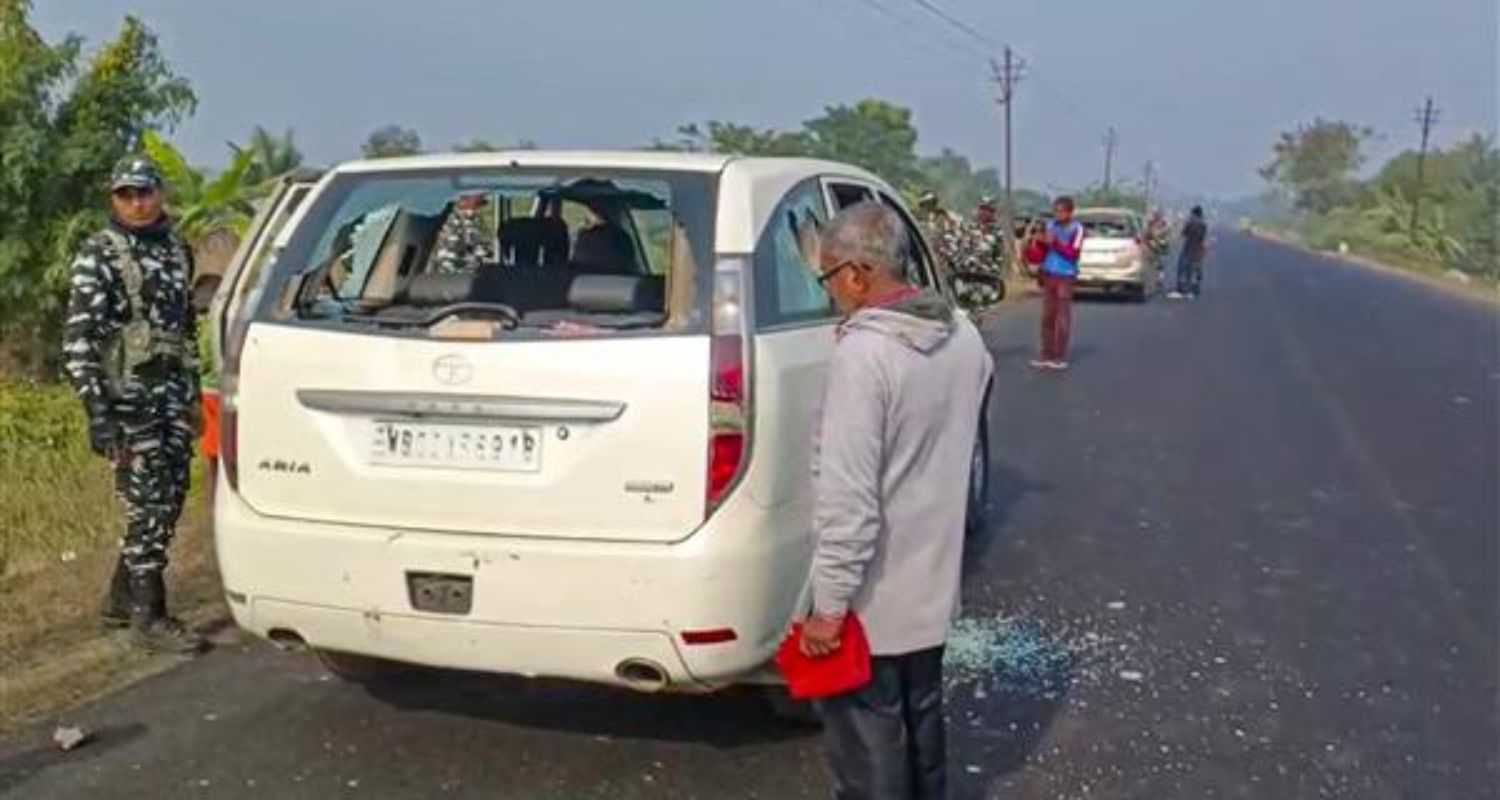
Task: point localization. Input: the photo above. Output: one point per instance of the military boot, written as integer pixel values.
(115, 612)
(150, 627)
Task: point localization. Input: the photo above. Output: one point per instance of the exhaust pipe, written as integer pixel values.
(286, 640)
(643, 675)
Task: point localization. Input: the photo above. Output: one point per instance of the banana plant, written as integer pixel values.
(202, 206)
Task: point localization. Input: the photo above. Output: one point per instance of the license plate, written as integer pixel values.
(488, 447)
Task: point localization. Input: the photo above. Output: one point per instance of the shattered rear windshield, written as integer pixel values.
(583, 251)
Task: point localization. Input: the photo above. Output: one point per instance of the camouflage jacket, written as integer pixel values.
(963, 246)
(461, 245)
(129, 311)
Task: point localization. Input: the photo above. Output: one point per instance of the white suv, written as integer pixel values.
(582, 452)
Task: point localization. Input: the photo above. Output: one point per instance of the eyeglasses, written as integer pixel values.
(824, 278)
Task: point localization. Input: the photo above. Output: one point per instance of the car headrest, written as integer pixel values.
(534, 241)
(606, 249)
(617, 294)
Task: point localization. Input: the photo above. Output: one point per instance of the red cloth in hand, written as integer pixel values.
(845, 670)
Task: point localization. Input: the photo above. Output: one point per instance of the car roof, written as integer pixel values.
(749, 186)
(571, 159)
(664, 160)
(1107, 211)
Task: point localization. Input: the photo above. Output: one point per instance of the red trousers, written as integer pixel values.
(1057, 317)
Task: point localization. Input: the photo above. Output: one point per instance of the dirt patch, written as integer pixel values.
(53, 653)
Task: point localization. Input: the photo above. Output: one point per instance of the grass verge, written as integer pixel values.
(1475, 287)
(59, 531)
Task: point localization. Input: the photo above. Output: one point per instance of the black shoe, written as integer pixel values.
(150, 627)
(115, 612)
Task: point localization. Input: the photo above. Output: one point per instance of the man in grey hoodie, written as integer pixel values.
(891, 466)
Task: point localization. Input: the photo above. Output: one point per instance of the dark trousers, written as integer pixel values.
(151, 472)
(887, 741)
(1189, 272)
(1057, 317)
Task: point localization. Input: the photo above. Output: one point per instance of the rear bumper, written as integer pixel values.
(1110, 277)
(542, 608)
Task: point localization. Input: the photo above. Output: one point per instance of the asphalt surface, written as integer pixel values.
(1246, 548)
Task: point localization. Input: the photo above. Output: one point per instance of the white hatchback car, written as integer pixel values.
(1114, 255)
(581, 453)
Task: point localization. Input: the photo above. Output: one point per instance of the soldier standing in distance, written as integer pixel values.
(462, 245)
(128, 351)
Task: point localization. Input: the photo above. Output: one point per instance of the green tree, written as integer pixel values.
(481, 145)
(957, 183)
(64, 122)
(1116, 196)
(740, 140)
(390, 141)
(201, 206)
(1317, 163)
(873, 134)
(271, 156)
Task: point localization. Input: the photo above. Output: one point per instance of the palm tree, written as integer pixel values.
(272, 156)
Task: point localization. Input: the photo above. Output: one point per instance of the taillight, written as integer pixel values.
(229, 439)
(729, 375)
(232, 347)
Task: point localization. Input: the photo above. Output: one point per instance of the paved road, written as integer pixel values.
(1247, 548)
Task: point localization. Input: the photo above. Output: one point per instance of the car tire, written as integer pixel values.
(790, 712)
(978, 498)
(363, 670)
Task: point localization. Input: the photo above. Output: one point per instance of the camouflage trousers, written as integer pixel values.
(152, 467)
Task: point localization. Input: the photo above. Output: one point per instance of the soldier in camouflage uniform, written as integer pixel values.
(462, 245)
(964, 247)
(129, 352)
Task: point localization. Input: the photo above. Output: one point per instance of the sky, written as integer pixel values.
(1201, 87)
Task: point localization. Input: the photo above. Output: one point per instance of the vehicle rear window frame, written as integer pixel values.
(691, 190)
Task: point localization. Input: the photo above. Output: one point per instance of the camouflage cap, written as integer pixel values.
(986, 202)
(136, 172)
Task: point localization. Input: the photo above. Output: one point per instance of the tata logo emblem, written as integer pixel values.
(452, 370)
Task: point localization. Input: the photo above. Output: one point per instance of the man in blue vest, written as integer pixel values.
(1059, 249)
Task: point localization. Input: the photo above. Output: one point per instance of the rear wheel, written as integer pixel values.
(794, 713)
(979, 478)
(364, 670)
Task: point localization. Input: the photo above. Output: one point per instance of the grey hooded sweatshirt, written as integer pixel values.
(891, 470)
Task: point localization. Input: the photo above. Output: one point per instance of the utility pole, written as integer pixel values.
(1149, 183)
(1426, 117)
(1111, 140)
(1006, 76)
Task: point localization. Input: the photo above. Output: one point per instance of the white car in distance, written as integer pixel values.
(582, 453)
(1114, 256)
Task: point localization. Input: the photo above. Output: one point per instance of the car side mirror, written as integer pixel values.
(204, 289)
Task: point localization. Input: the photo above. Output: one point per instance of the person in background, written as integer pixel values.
(1190, 260)
(129, 352)
(462, 245)
(208, 382)
(891, 462)
(1061, 245)
(1158, 244)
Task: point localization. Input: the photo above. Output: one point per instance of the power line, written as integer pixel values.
(907, 25)
(957, 23)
